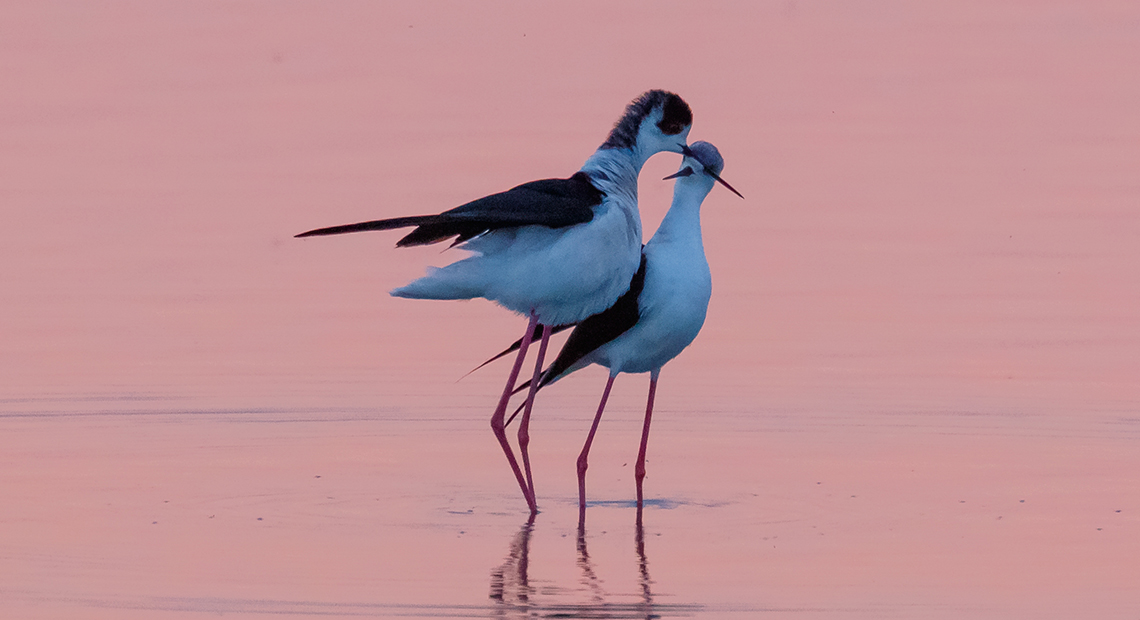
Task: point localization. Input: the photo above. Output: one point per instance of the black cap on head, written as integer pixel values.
(675, 117)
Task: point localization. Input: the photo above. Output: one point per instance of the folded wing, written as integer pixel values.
(554, 203)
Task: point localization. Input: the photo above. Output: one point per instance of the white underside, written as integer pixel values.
(562, 275)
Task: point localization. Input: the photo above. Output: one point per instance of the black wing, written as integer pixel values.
(554, 203)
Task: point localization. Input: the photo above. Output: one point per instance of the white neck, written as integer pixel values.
(616, 167)
(682, 223)
(615, 172)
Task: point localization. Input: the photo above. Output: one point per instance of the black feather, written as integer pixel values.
(396, 222)
(554, 203)
(518, 343)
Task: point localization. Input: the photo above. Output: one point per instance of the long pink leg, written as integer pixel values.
(497, 423)
(584, 456)
(639, 470)
(524, 424)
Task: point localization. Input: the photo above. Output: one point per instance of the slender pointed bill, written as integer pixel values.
(723, 182)
(687, 171)
(684, 172)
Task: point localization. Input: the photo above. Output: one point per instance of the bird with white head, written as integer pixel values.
(662, 312)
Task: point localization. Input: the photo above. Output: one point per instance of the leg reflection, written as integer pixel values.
(645, 608)
(515, 597)
(589, 579)
(643, 568)
(509, 582)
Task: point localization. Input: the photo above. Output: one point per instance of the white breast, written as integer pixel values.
(672, 308)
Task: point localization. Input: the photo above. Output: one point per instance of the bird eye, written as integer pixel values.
(671, 127)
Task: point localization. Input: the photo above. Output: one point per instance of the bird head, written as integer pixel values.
(702, 159)
(656, 121)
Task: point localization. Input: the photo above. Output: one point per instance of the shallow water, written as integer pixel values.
(915, 395)
(356, 513)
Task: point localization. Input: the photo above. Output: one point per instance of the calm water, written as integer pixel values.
(915, 395)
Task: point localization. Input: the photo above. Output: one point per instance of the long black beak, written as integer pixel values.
(683, 172)
(723, 182)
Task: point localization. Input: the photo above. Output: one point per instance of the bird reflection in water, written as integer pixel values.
(516, 598)
(589, 578)
(642, 564)
(509, 583)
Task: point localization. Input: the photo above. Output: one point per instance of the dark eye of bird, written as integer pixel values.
(671, 127)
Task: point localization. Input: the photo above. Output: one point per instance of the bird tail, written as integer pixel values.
(429, 228)
(389, 224)
(455, 281)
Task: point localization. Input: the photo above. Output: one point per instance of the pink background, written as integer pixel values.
(929, 304)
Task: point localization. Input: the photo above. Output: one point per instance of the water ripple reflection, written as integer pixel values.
(515, 597)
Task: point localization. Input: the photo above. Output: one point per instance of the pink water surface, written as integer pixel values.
(916, 393)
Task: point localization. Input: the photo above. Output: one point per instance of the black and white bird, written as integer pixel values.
(556, 250)
(662, 312)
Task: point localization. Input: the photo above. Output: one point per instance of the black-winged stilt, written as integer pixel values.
(556, 250)
(661, 313)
